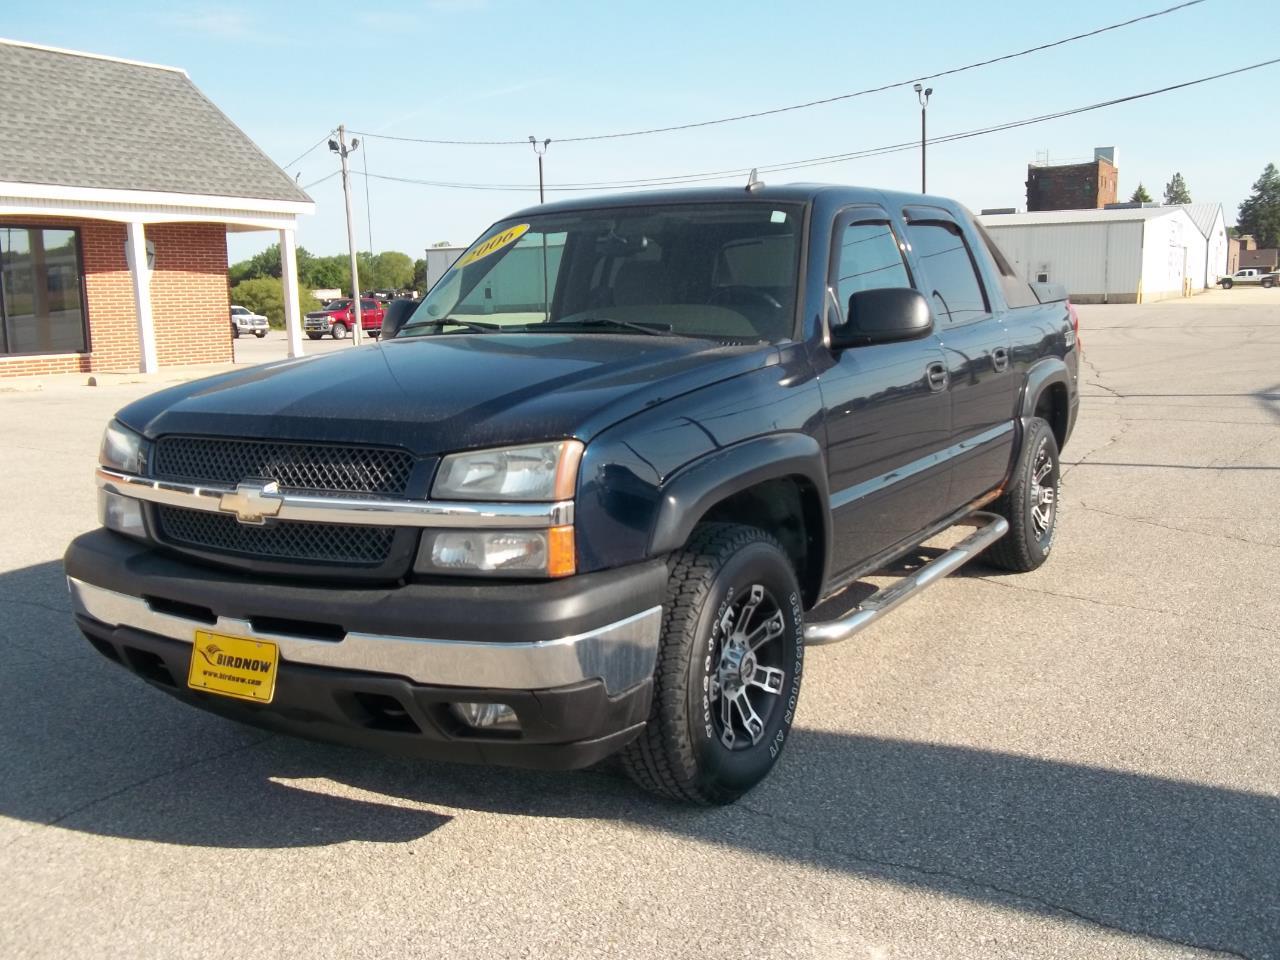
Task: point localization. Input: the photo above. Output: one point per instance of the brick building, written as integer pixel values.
(1073, 186)
(119, 182)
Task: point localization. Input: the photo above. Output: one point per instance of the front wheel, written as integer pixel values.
(1030, 504)
(729, 667)
(315, 336)
(1227, 284)
(339, 331)
(235, 333)
(260, 334)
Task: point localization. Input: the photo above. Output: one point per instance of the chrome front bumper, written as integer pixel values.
(622, 654)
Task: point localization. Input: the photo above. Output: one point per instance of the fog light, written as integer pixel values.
(122, 514)
(486, 716)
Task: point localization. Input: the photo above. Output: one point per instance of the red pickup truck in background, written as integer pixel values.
(338, 319)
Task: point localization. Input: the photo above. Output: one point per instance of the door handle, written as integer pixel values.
(1000, 359)
(936, 374)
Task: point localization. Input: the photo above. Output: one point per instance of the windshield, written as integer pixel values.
(724, 270)
(337, 305)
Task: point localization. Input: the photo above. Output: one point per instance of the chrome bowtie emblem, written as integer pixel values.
(253, 501)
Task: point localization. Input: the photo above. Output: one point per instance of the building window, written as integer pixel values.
(41, 291)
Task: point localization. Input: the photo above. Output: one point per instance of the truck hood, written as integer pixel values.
(435, 394)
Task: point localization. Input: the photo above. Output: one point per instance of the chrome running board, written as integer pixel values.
(990, 529)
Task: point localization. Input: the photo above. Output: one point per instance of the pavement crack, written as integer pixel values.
(1167, 526)
(1184, 614)
(861, 856)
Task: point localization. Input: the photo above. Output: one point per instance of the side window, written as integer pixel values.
(950, 281)
(869, 260)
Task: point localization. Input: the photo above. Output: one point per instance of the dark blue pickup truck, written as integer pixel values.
(586, 499)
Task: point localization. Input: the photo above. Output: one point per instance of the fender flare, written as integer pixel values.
(1043, 373)
(697, 487)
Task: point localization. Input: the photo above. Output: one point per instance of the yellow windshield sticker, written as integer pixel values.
(494, 244)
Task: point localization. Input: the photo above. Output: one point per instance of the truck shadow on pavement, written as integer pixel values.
(90, 748)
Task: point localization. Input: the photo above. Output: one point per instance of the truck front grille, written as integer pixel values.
(304, 467)
(329, 543)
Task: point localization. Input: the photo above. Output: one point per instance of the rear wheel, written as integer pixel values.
(729, 667)
(1268, 284)
(1030, 504)
(339, 331)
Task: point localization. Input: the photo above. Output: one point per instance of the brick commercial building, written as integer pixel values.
(1073, 186)
(119, 182)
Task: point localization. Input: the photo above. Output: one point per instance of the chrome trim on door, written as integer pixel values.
(622, 653)
(842, 498)
(349, 510)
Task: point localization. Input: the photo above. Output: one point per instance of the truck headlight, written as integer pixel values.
(537, 471)
(498, 553)
(121, 449)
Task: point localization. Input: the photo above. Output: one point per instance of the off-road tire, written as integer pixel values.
(679, 755)
(339, 331)
(1024, 548)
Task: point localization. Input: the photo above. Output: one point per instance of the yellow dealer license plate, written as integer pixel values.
(234, 667)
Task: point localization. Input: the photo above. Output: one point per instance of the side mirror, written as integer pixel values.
(890, 315)
(397, 314)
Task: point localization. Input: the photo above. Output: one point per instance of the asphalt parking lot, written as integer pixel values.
(1079, 762)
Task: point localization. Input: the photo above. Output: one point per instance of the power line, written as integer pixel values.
(308, 186)
(307, 151)
(678, 179)
(811, 103)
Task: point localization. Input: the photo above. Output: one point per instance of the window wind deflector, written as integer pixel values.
(925, 214)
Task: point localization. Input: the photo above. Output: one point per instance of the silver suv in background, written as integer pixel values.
(244, 320)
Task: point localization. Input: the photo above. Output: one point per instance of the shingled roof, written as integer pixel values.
(80, 120)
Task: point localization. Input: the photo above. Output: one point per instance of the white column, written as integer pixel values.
(136, 254)
(289, 281)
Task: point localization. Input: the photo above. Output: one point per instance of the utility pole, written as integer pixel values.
(340, 147)
(923, 94)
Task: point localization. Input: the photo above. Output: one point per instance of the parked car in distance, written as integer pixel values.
(1250, 275)
(591, 495)
(244, 320)
(337, 319)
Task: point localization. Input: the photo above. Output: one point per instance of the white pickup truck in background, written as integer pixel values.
(1249, 275)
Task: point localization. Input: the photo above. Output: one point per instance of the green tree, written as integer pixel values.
(265, 295)
(1140, 195)
(1260, 214)
(329, 273)
(1175, 191)
(420, 275)
(392, 270)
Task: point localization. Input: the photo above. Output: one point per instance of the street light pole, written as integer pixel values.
(340, 147)
(540, 149)
(923, 94)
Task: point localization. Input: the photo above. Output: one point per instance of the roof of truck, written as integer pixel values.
(781, 193)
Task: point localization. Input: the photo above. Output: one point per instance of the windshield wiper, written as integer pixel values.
(475, 325)
(653, 329)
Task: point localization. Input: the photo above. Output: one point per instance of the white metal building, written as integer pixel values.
(1211, 222)
(1130, 255)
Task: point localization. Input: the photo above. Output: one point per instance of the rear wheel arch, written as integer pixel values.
(1046, 395)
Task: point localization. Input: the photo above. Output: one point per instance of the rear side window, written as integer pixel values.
(869, 260)
(1017, 292)
(950, 281)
